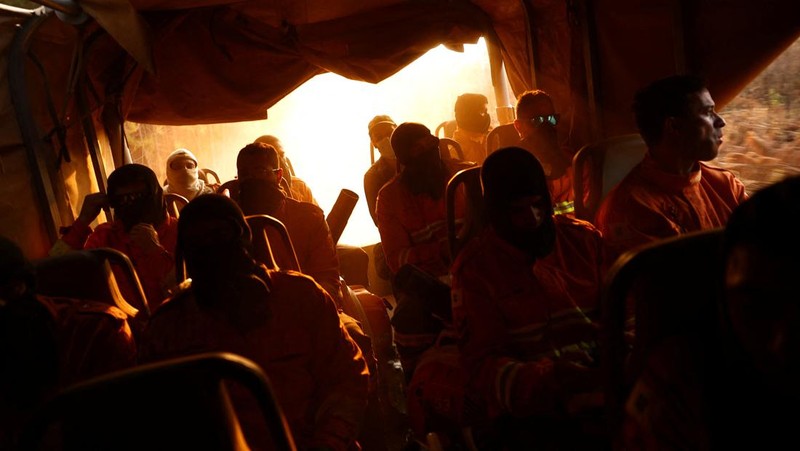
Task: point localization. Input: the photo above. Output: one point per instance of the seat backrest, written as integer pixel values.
(598, 167)
(87, 274)
(262, 246)
(175, 404)
(502, 136)
(175, 203)
(445, 129)
(450, 149)
(474, 220)
(666, 288)
(206, 174)
(232, 186)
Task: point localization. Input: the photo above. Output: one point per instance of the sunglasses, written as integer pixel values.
(551, 119)
(121, 200)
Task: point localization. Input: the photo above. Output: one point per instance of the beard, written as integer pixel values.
(259, 197)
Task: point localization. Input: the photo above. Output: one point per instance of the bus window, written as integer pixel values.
(762, 135)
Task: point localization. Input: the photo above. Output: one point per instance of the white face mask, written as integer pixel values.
(184, 178)
(385, 148)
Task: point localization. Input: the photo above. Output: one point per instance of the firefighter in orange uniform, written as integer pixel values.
(281, 320)
(141, 229)
(524, 295)
(672, 191)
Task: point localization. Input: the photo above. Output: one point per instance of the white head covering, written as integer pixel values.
(185, 182)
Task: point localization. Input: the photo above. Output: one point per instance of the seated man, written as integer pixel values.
(733, 384)
(473, 125)
(49, 343)
(524, 293)
(140, 229)
(258, 192)
(671, 191)
(183, 176)
(380, 130)
(298, 189)
(411, 214)
(281, 320)
(536, 124)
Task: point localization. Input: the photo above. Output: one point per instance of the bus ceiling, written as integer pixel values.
(180, 62)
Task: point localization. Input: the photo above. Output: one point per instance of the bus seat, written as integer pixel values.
(204, 174)
(502, 136)
(232, 186)
(87, 274)
(262, 247)
(659, 290)
(598, 167)
(183, 403)
(450, 149)
(445, 129)
(474, 220)
(175, 203)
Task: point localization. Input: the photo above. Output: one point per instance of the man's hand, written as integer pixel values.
(145, 237)
(92, 205)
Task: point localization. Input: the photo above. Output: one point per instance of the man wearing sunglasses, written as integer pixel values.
(141, 229)
(536, 124)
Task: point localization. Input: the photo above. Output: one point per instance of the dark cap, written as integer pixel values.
(512, 173)
(405, 136)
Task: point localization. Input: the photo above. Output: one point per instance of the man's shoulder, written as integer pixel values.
(710, 171)
(296, 290)
(66, 310)
(305, 209)
(476, 250)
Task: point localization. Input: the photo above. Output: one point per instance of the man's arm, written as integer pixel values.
(506, 384)
(398, 246)
(342, 376)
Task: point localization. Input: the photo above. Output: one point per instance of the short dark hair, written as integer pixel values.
(258, 149)
(528, 100)
(664, 98)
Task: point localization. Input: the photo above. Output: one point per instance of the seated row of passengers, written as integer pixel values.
(526, 291)
(324, 390)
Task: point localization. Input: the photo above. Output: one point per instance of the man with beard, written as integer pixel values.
(281, 320)
(183, 176)
(411, 214)
(473, 124)
(671, 191)
(258, 192)
(298, 189)
(525, 292)
(536, 124)
(141, 229)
